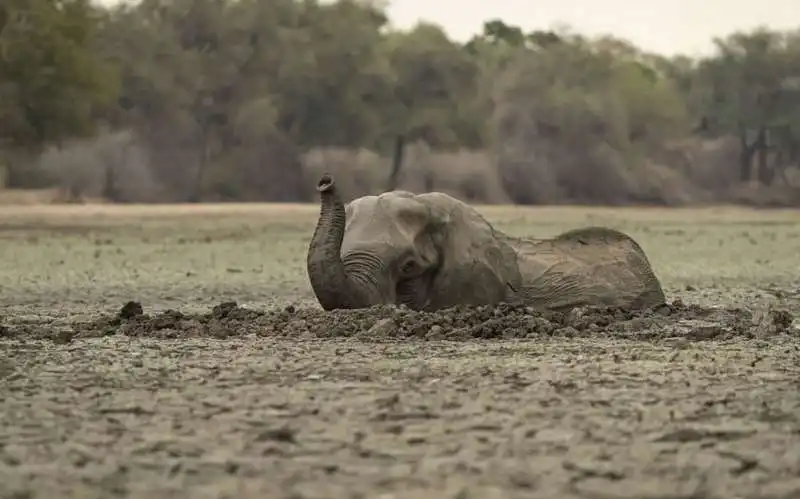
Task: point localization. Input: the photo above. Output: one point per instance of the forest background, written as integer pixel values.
(248, 100)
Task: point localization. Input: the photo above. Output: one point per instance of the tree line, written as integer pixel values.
(221, 100)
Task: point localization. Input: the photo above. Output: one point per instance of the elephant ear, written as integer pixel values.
(477, 265)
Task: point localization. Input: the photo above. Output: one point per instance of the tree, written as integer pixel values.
(575, 120)
(746, 88)
(223, 100)
(52, 86)
(434, 85)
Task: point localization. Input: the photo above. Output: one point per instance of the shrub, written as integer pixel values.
(113, 166)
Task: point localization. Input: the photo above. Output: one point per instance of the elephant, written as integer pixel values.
(431, 251)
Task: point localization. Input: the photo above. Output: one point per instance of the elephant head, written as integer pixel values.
(427, 251)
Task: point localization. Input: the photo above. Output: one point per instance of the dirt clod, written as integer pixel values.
(228, 319)
(130, 310)
(223, 309)
(281, 434)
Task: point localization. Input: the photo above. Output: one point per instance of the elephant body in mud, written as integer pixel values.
(431, 251)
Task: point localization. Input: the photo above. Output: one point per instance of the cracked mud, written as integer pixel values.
(134, 371)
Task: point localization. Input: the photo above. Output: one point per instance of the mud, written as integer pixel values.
(246, 389)
(462, 323)
(238, 403)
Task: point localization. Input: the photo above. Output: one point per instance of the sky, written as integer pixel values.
(665, 26)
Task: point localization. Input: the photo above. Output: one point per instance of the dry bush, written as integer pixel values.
(543, 171)
(580, 162)
(536, 170)
(268, 169)
(28, 197)
(467, 175)
(526, 168)
(711, 168)
(792, 176)
(710, 164)
(113, 166)
(659, 184)
(357, 173)
(754, 194)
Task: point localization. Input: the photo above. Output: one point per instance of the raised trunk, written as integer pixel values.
(330, 281)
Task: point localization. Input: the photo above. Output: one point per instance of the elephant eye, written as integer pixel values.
(409, 266)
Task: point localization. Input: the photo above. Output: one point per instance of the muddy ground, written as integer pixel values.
(185, 357)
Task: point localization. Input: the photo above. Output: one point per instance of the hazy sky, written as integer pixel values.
(665, 26)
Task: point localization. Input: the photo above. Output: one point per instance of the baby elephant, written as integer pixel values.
(431, 251)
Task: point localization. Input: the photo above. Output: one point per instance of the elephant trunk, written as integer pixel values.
(332, 283)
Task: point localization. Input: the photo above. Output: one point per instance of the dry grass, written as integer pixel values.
(102, 255)
(35, 209)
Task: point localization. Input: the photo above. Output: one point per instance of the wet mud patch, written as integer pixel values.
(386, 323)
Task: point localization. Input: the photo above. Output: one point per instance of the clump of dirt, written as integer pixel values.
(130, 310)
(458, 323)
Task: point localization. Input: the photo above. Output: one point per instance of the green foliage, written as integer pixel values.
(52, 85)
(748, 82)
(434, 86)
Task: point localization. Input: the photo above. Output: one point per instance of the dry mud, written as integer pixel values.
(272, 397)
(675, 320)
(680, 401)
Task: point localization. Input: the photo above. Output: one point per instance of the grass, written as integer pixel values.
(63, 259)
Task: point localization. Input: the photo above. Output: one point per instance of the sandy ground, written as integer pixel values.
(189, 396)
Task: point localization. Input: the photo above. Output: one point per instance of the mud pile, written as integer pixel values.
(458, 323)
